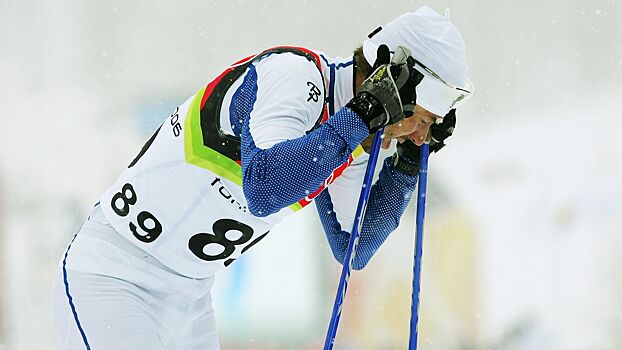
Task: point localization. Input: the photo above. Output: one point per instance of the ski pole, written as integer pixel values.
(354, 239)
(421, 193)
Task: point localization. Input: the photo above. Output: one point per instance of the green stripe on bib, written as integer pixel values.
(200, 155)
(207, 158)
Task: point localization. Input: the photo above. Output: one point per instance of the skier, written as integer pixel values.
(272, 133)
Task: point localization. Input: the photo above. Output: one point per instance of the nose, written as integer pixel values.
(417, 139)
(419, 135)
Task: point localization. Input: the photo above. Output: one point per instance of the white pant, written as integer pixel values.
(110, 295)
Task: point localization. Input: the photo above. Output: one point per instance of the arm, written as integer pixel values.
(388, 199)
(281, 163)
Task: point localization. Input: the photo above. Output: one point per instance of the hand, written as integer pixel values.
(407, 157)
(440, 132)
(380, 99)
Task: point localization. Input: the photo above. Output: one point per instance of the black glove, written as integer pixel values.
(440, 132)
(408, 93)
(407, 157)
(387, 90)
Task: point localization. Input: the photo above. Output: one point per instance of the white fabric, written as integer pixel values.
(283, 109)
(341, 191)
(225, 123)
(435, 42)
(342, 82)
(125, 299)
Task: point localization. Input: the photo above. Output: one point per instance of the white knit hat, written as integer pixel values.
(437, 44)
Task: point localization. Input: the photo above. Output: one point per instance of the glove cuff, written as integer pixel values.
(369, 110)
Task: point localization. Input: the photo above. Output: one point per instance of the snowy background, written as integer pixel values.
(524, 225)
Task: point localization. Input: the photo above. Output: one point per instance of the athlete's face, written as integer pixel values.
(415, 128)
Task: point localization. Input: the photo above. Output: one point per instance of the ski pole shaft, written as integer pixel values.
(354, 238)
(421, 194)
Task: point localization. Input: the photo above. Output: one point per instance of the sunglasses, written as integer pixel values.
(455, 93)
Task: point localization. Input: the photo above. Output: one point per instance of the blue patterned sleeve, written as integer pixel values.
(388, 200)
(278, 176)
